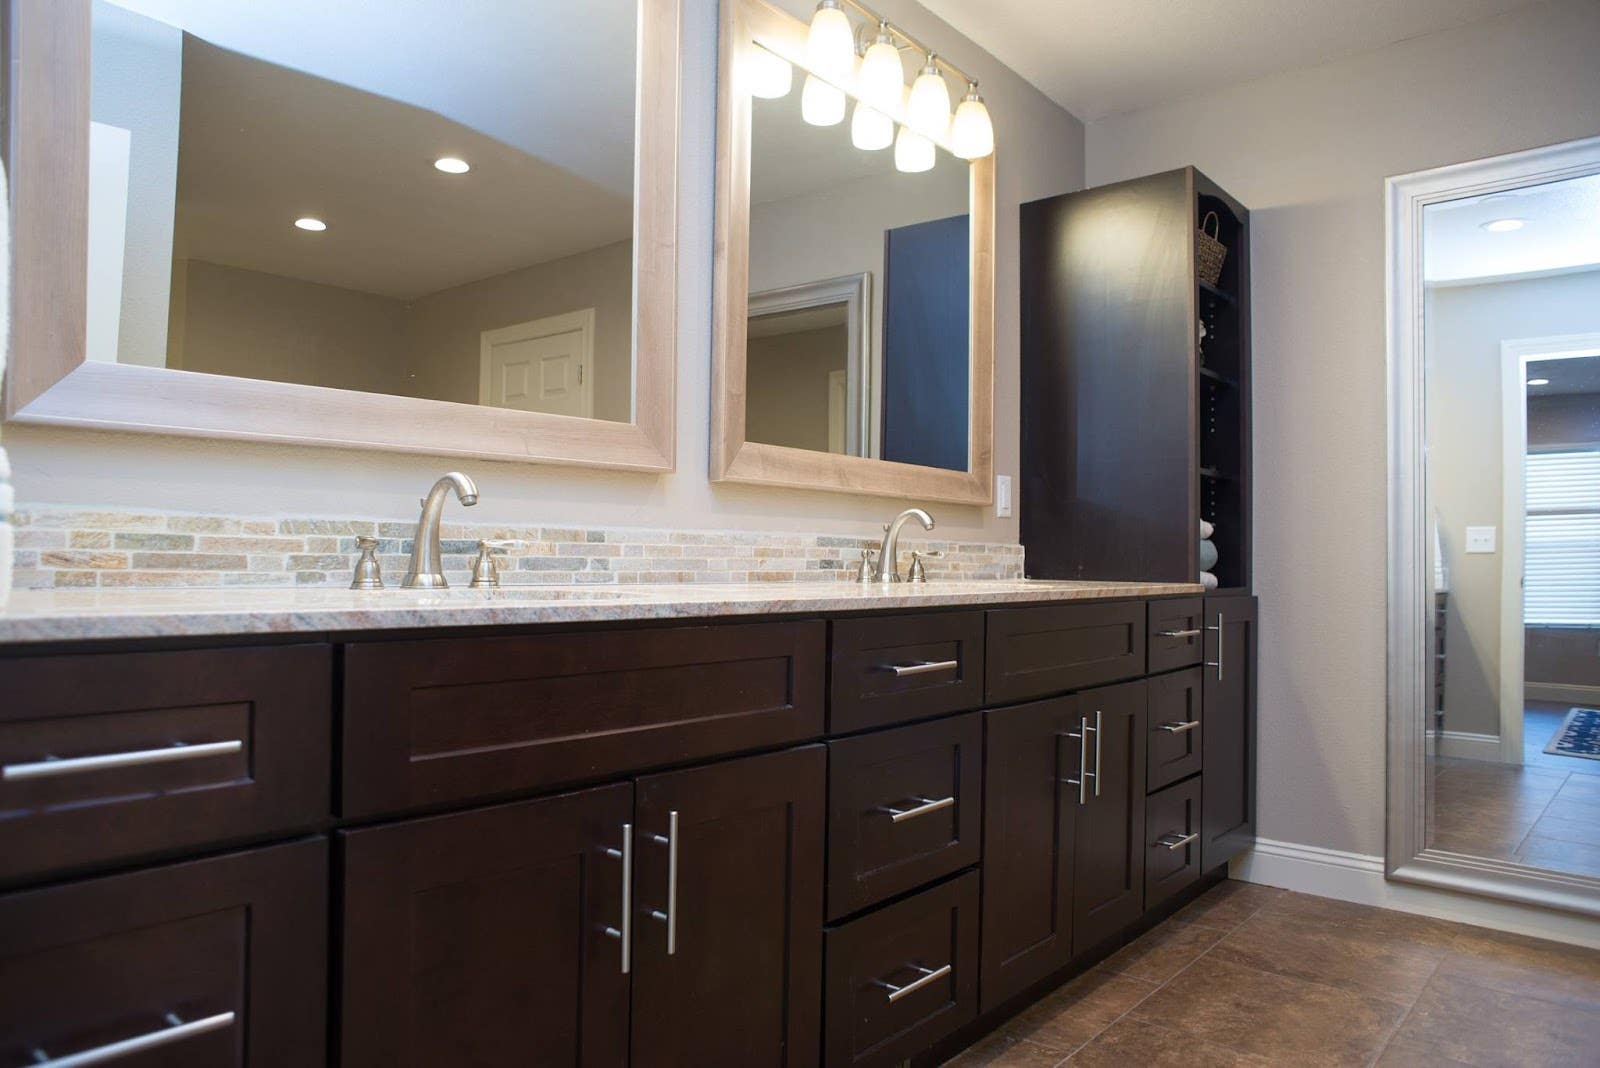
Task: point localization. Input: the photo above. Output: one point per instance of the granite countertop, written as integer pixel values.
(82, 615)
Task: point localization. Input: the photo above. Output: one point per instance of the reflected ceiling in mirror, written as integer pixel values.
(437, 206)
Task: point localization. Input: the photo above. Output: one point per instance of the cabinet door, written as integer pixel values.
(1228, 809)
(1108, 872)
(728, 912)
(209, 963)
(1029, 811)
(480, 938)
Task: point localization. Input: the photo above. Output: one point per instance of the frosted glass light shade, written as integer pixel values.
(820, 103)
(928, 111)
(870, 129)
(881, 79)
(830, 43)
(972, 132)
(913, 153)
(771, 76)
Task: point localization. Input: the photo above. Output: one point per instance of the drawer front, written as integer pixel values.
(213, 962)
(428, 722)
(1177, 633)
(1172, 833)
(891, 669)
(902, 978)
(1173, 738)
(1035, 652)
(904, 808)
(116, 756)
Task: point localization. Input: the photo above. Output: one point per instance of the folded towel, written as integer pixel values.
(1208, 555)
(1208, 580)
(1206, 529)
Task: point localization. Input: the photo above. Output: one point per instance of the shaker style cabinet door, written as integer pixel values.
(1108, 873)
(1228, 808)
(727, 939)
(490, 937)
(1032, 758)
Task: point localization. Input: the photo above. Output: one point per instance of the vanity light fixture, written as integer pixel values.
(451, 165)
(928, 111)
(913, 153)
(882, 79)
(771, 76)
(1538, 381)
(830, 43)
(314, 225)
(1504, 226)
(820, 103)
(870, 129)
(972, 131)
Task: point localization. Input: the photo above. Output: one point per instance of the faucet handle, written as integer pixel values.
(918, 572)
(866, 571)
(368, 575)
(486, 572)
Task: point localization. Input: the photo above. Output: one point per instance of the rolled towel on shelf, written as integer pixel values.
(1206, 529)
(1208, 554)
(1208, 580)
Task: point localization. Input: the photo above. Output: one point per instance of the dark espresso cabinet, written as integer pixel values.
(1228, 810)
(1108, 867)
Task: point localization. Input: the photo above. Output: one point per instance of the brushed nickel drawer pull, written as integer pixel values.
(926, 667)
(1179, 728)
(929, 975)
(1099, 745)
(624, 934)
(1194, 633)
(112, 1051)
(925, 806)
(1081, 736)
(51, 767)
(1218, 662)
(670, 917)
(1176, 841)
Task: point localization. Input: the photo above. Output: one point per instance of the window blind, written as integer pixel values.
(1561, 565)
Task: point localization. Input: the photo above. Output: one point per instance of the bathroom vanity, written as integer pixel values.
(792, 823)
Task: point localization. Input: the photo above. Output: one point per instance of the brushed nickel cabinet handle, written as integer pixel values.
(51, 767)
(1178, 728)
(925, 806)
(624, 934)
(1194, 633)
(1081, 736)
(1218, 662)
(1176, 841)
(1099, 745)
(929, 975)
(670, 917)
(926, 667)
(176, 1031)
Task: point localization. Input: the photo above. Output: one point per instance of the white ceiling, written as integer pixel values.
(1560, 232)
(1096, 58)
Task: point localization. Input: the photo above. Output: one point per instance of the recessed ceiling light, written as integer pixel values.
(452, 165)
(1502, 226)
(309, 223)
(1538, 381)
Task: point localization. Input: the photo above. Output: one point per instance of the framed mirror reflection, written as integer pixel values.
(452, 232)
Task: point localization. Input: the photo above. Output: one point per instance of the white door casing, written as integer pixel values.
(543, 365)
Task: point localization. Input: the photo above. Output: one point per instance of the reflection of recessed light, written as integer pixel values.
(308, 223)
(452, 165)
(1538, 381)
(1501, 226)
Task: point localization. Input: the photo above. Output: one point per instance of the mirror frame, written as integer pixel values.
(51, 382)
(734, 458)
(1408, 858)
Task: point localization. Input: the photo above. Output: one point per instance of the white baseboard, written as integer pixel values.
(1464, 744)
(1560, 691)
(1359, 877)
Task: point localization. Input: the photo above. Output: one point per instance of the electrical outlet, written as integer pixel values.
(1002, 496)
(1480, 539)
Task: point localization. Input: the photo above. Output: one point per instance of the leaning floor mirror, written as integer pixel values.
(854, 316)
(311, 222)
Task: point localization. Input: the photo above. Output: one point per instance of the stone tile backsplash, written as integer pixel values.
(65, 548)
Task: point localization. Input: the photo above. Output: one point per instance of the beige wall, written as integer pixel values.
(786, 397)
(1465, 326)
(1307, 151)
(1041, 153)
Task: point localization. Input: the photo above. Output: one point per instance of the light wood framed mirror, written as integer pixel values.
(452, 233)
(892, 395)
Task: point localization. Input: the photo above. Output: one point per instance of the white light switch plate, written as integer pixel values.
(1480, 539)
(1002, 496)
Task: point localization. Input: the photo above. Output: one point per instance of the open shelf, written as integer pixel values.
(1219, 378)
(1212, 291)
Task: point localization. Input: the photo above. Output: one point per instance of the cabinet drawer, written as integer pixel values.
(1177, 633)
(1173, 738)
(890, 669)
(113, 756)
(1172, 832)
(904, 808)
(428, 722)
(1034, 652)
(903, 977)
(214, 962)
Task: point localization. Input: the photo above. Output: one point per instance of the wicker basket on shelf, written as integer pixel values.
(1208, 251)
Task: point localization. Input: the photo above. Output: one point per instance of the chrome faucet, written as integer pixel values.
(427, 572)
(888, 554)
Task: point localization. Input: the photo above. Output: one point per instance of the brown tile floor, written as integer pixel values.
(1250, 975)
(1545, 812)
